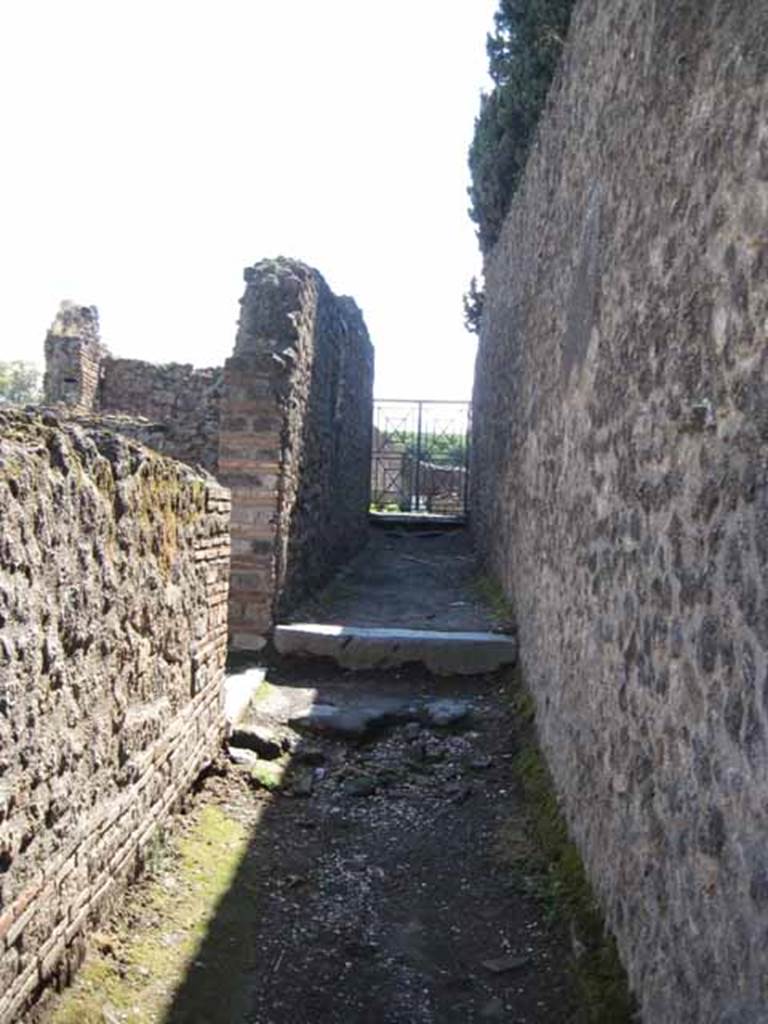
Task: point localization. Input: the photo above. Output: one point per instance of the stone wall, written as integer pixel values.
(620, 481)
(173, 404)
(182, 401)
(286, 425)
(114, 568)
(73, 356)
(295, 441)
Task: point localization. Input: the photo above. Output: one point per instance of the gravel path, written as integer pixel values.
(377, 886)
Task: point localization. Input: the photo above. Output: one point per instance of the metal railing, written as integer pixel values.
(420, 458)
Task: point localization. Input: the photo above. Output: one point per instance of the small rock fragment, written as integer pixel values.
(258, 738)
(433, 749)
(360, 785)
(290, 742)
(239, 755)
(268, 775)
(325, 718)
(458, 792)
(443, 713)
(502, 964)
(481, 762)
(493, 1009)
(303, 784)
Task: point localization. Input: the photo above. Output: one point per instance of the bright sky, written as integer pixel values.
(151, 149)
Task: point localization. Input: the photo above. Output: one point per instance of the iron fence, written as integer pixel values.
(420, 459)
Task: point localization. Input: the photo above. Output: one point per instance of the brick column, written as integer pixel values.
(249, 465)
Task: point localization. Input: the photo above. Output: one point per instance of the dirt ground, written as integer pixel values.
(384, 873)
(415, 579)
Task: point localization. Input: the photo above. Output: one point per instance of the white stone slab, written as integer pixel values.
(359, 647)
(238, 690)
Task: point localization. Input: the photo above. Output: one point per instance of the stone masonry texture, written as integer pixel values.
(114, 567)
(295, 441)
(173, 408)
(286, 425)
(620, 481)
(73, 357)
(181, 403)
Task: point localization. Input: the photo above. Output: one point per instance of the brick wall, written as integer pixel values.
(250, 449)
(295, 441)
(114, 567)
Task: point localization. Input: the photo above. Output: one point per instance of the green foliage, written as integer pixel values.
(492, 594)
(474, 298)
(441, 449)
(523, 53)
(19, 382)
(133, 969)
(268, 774)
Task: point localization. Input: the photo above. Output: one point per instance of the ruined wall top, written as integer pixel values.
(74, 321)
(73, 356)
(275, 302)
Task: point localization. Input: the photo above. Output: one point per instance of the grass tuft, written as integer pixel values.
(549, 866)
(131, 974)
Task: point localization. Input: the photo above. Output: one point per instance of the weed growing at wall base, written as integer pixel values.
(136, 964)
(548, 866)
(546, 863)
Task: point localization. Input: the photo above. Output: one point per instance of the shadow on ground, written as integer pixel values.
(377, 891)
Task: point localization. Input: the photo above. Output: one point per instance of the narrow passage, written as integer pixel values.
(369, 839)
